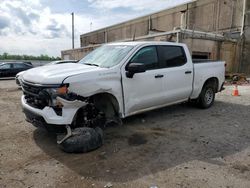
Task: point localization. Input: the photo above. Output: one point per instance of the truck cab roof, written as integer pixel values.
(139, 43)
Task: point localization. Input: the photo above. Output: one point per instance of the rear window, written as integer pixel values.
(5, 66)
(20, 66)
(172, 56)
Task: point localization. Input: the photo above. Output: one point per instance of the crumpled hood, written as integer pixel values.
(55, 74)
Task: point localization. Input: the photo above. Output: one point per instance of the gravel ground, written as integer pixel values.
(178, 146)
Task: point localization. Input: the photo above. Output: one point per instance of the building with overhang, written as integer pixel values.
(212, 29)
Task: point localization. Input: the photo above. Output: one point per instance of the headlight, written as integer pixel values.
(61, 91)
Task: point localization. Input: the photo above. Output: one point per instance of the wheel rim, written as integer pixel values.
(209, 95)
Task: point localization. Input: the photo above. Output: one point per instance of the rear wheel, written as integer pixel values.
(206, 98)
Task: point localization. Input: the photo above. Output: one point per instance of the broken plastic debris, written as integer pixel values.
(108, 185)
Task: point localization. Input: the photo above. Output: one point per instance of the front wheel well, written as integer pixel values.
(101, 109)
(107, 103)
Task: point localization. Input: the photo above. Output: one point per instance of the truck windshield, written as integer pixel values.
(106, 56)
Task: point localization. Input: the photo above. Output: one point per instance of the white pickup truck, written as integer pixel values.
(115, 81)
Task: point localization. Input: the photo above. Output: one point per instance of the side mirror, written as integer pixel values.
(134, 68)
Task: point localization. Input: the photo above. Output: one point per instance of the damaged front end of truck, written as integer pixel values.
(69, 115)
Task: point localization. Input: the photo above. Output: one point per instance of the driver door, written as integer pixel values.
(144, 90)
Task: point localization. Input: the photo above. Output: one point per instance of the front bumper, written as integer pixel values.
(17, 81)
(222, 87)
(49, 115)
(39, 122)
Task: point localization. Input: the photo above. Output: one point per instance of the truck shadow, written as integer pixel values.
(158, 140)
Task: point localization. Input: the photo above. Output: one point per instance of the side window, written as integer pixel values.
(5, 66)
(147, 56)
(19, 66)
(172, 56)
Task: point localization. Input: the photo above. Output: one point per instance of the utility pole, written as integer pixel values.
(73, 31)
(90, 26)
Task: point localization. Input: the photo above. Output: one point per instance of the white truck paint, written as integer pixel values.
(150, 89)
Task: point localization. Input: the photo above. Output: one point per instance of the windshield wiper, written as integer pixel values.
(91, 64)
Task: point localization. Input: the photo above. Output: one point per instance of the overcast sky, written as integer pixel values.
(37, 27)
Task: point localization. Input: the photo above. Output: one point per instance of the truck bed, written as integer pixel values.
(207, 69)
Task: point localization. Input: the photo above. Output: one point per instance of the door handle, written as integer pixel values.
(159, 76)
(188, 72)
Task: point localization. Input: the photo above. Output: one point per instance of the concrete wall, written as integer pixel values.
(217, 50)
(203, 15)
(217, 16)
(226, 51)
(245, 63)
(77, 54)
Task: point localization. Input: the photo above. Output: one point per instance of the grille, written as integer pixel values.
(35, 96)
(31, 90)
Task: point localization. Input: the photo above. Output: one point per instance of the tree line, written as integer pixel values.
(6, 56)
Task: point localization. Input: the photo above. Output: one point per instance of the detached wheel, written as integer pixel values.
(206, 98)
(83, 140)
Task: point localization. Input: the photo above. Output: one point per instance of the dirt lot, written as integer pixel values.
(178, 146)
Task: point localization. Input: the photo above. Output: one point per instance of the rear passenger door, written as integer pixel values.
(178, 73)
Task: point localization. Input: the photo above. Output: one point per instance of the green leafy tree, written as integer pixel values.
(42, 57)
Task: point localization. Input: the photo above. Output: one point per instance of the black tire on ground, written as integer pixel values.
(83, 140)
(207, 95)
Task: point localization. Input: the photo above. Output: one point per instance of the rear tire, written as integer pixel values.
(207, 95)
